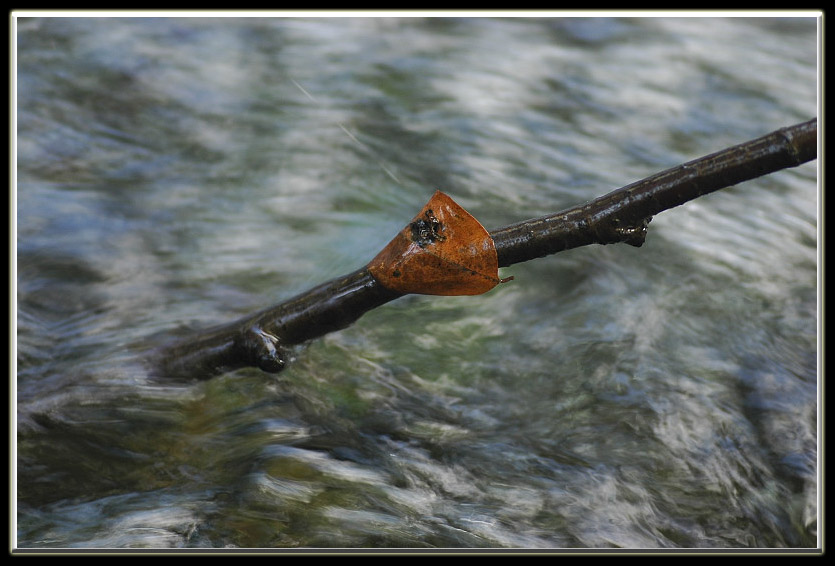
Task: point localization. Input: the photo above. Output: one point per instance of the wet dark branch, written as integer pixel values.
(623, 215)
(620, 216)
(260, 340)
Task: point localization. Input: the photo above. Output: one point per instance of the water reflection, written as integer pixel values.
(173, 175)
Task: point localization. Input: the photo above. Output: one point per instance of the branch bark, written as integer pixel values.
(623, 215)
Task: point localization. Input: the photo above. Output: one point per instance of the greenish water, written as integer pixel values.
(173, 174)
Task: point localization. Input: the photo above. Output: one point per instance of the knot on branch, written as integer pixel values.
(262, 350)
(633, 233)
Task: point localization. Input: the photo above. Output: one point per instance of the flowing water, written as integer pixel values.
(177, 173)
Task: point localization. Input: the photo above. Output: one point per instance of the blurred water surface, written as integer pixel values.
(176, 173)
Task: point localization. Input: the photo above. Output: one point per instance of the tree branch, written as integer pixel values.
(623, 215)
(620, 216)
